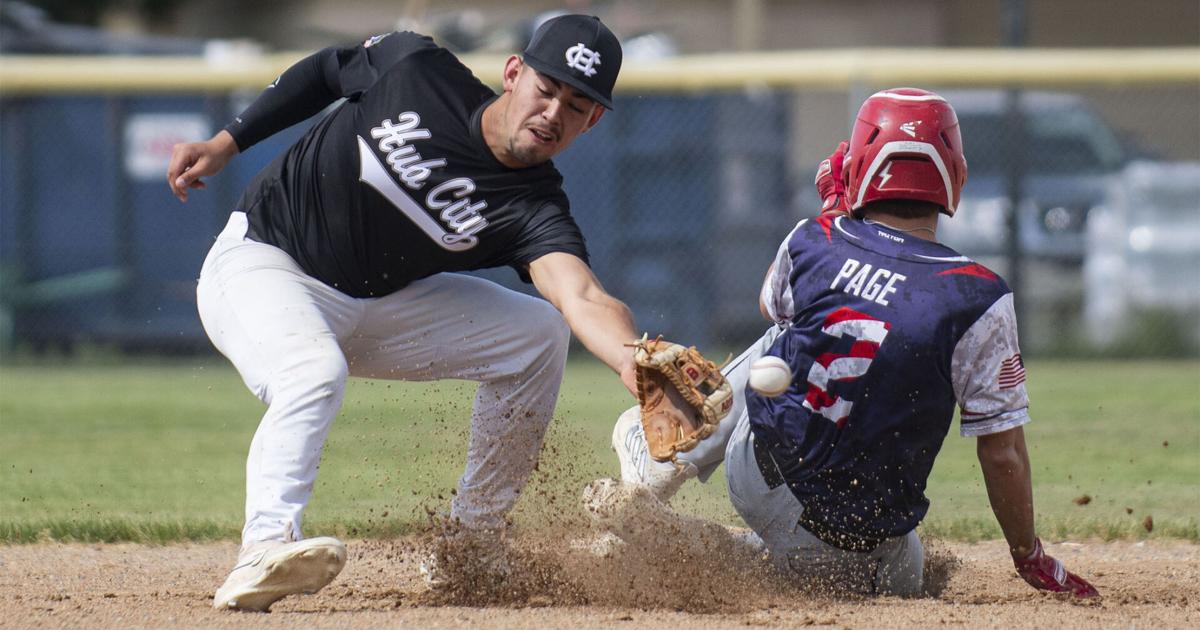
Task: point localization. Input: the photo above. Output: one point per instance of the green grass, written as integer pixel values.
(155, 453)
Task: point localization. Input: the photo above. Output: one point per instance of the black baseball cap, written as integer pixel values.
(580, 51)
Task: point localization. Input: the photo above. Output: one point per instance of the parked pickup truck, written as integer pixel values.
(1070, 158)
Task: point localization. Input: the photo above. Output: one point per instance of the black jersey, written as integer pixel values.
(397, 183)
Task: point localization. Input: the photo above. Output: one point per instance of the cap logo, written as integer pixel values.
(910, 128)
(583, 59)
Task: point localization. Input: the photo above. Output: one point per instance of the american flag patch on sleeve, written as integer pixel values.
(1012, 372)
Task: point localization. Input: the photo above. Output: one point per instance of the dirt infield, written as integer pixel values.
(1152, 584)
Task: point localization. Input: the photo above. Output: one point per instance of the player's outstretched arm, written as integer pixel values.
(193, 160)
(603, 323)
(1005, 464)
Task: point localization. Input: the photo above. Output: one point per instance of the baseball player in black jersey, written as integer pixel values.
(338, 262)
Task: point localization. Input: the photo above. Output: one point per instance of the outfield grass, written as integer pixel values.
(156, 453)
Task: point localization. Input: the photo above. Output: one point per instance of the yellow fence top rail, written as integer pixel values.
(809, 68)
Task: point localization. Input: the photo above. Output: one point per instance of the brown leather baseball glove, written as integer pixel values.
(682, 395)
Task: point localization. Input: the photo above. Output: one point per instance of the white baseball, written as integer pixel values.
(770, 376)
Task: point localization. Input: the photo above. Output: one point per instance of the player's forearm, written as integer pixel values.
(300, 92)
(1005, 465)
(604, 325)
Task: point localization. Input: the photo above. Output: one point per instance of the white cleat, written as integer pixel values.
(641, 519)
(637, 467)
(749, 541)
(621, 507)
(269, 571)
(432, 573)
(463, 556)
(601, 545)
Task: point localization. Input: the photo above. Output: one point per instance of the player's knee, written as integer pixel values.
(905, 584)
(560, 335)
(549, 327)
(331, 374)
(901, 573)
(321, 377)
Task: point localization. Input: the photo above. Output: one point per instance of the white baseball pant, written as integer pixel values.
(295, 340)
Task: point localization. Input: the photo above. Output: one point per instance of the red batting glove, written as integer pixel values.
(830, 184)
(1046, 573)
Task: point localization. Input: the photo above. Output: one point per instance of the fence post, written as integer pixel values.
(1014, 18)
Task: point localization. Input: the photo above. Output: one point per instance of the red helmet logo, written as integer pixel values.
(905, 145)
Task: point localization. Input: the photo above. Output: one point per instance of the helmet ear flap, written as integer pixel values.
(847, 164)
(854, 166)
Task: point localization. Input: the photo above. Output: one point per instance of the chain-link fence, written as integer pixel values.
(684, 192)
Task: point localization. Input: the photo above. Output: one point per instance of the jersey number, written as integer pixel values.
(868, 334)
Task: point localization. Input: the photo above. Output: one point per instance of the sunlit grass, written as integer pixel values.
(156, 453)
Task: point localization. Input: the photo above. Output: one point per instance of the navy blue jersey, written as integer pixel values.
(885, 333)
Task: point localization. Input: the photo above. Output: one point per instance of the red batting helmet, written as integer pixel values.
(905, 145)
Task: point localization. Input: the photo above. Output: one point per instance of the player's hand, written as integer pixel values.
(1044, 572)
(193, 160)
(830, 184)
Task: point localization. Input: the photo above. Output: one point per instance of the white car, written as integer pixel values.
(1143, 252)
